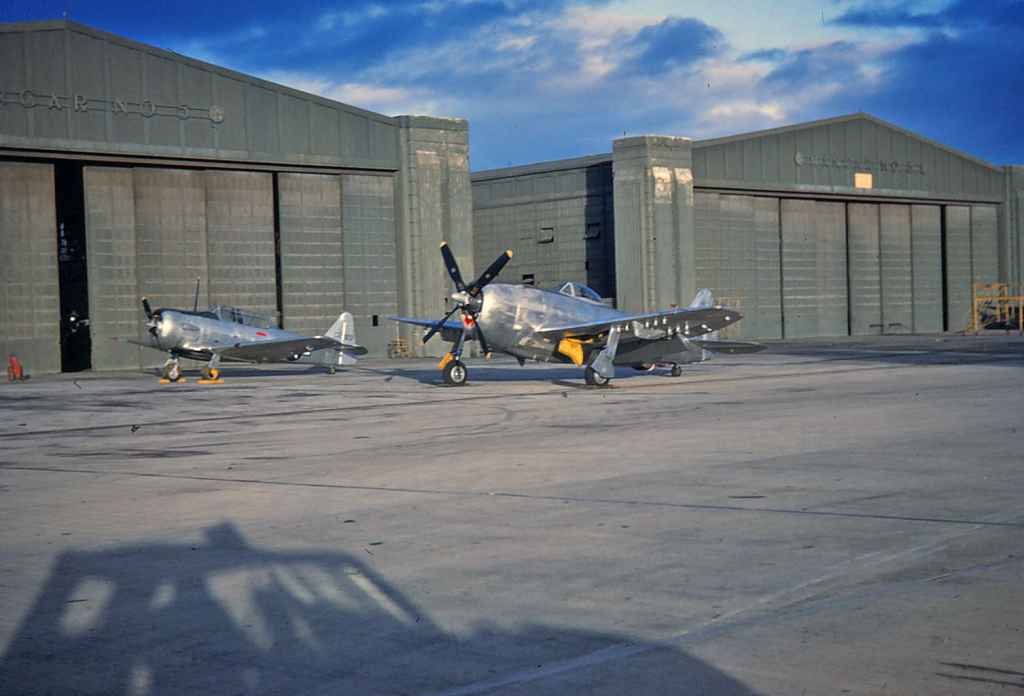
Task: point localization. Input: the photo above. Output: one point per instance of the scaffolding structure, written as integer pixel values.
(993, 307)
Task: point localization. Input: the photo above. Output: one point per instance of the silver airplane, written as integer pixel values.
(572, 325)
(229, 334)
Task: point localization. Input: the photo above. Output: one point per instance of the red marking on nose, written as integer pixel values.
(261, 333)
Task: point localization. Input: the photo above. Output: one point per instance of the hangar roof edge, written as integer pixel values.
(55, 24)
(708, 142)
(542, 167)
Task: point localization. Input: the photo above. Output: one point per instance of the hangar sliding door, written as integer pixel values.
(926, 245)
(958, 267)
(865, 270)
(984, 244)
(370, 257)
(814, 294)
(896, 267)
(240, 240)
(115, 312)
(737, 257)
(29, 284)
(170, 240)
(312, 274)
(170, 235)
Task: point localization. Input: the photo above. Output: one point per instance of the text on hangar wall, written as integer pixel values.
(881, 165)
(146, 108)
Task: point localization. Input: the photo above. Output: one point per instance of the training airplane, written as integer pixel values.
(571, 324)
(232, 335)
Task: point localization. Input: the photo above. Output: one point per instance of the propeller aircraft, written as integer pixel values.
(223, 333)
(572, 325)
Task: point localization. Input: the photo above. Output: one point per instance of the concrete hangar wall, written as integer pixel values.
(843, 226)
(126, 170)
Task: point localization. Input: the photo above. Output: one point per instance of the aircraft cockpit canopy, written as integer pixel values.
(579, 290)
(240, 316)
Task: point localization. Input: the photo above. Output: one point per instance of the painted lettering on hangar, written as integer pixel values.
(30, 99)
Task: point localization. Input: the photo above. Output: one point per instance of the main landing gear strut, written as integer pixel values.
(170, 373)
(454, 370)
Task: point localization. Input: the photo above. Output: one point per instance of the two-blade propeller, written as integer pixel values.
(152, 317)
(467, 297)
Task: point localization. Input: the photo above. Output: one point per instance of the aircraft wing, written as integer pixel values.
(279, 351)
(651, 325)
(450, 324)
(728, 346)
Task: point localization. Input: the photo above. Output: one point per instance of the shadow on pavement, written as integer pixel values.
(224, 617)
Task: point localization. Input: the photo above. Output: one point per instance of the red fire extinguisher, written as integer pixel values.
(15, 372)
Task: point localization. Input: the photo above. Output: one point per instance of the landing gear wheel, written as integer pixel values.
(455, 373)
(171, 370)
(594, 378)
(677, 371)
(331, 370)
(210, 373)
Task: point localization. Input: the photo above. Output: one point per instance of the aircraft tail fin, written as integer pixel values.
(703, 299)
(344, 332)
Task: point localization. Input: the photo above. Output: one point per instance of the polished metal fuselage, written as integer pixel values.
(193, 335)
(512, 316)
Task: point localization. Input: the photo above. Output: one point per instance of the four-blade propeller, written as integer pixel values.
(467, 297)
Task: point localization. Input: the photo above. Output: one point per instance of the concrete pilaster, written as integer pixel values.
(1011, 243)
(435, 204)
(654, 222)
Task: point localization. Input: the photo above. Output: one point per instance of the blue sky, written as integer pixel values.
(545, 80)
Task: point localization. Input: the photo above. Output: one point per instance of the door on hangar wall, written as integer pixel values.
(737, 257)
(29, 279)
(895, 268)
(814, 283)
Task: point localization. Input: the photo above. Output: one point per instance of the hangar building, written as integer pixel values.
(127, 170)
(845, 226)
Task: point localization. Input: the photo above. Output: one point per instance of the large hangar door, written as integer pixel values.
(894, 240)
(312, 274)
(115, 311)
(29, 284)
(814, 295)
(958, 267)
(737, 244)
(865, 270)
(926, 244)
(984, 244)
(370, 257)
(170, 240)
(240, 240)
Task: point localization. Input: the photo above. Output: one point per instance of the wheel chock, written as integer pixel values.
(218, 380)
(180, 380)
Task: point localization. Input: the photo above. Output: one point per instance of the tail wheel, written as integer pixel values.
(455, 373)
(677, 371)
(594, 378)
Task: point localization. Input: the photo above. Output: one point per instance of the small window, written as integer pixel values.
(593, 230)
(376, 320)
(528, 279)
(862, 180)
(546, 235)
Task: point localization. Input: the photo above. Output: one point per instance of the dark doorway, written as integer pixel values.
(75, 339)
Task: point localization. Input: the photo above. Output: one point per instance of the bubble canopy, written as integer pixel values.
(579, 290)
